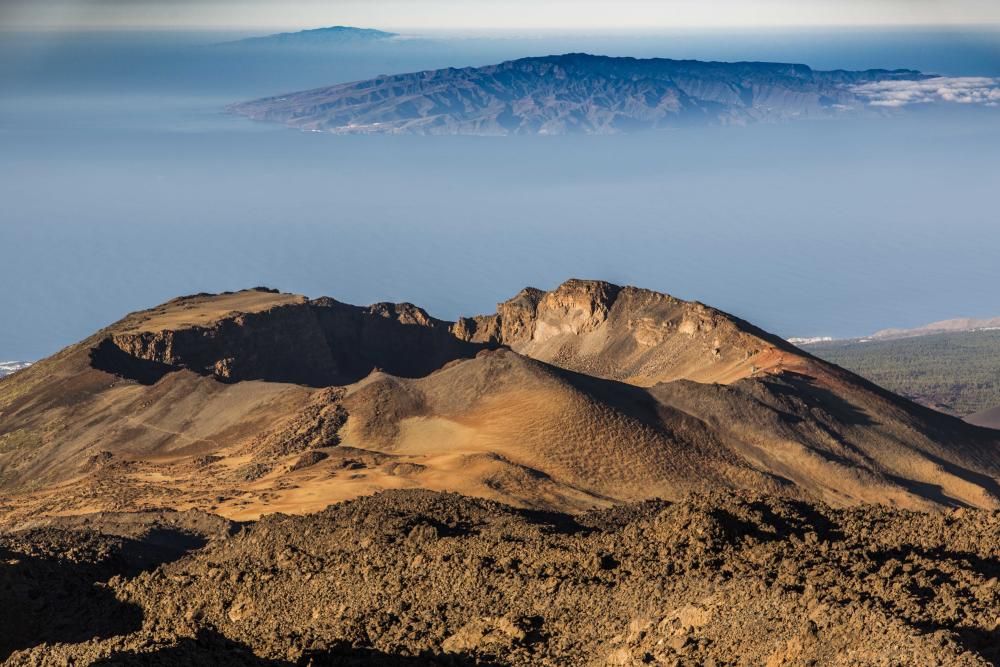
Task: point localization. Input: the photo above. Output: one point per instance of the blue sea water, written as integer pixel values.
(123, 184)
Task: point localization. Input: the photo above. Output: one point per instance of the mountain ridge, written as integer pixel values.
(957, 324)
(952, 325)
(575, 92)
(587, 395)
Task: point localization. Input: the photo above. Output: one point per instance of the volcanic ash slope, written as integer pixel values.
(585, 396)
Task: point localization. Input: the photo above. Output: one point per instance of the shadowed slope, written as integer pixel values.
(588, 395)
(261, 335)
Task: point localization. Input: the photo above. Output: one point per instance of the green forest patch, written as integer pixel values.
(959, 372)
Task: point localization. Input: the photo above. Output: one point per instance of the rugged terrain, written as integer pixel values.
(573, 93)
(258, 478)
(585, 396)
(419, 578)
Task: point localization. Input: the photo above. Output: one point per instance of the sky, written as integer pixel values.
(123, 184)
(490, 14)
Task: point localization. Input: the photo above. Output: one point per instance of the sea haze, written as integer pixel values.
(123, 184)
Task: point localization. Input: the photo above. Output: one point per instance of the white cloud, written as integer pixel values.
(958, 90)
(495, 14)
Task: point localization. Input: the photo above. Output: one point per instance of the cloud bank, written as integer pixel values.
(494, 14)
(958, 90)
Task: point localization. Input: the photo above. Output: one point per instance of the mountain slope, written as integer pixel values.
(588, 395)
(987, 418)
(571, 93)
(630, 334)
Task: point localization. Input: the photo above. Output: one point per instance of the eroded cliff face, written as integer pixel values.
(316, 343)
(513, 322)
(623, 333)
(283, 343)
(629, 334)
(400, 339)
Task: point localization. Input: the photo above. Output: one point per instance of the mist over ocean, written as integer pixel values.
(123, 184)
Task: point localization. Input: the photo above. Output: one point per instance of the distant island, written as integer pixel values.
(578, 93)
(944, 326)
(333, 35)
(956, 325)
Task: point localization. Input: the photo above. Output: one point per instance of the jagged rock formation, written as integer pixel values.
(53, 571)
(417, 578)
(318, 343)
(587, 395)
(629, 334)
(571, 93)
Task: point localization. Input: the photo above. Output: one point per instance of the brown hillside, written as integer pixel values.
(588, 395)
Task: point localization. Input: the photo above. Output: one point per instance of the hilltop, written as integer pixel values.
(585, 396)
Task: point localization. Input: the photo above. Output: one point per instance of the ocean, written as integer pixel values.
(123, 183)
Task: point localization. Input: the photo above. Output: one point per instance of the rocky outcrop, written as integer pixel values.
(284, 343)
(513, 322)
(578, 306)
(400, 339)
(410, 578)
(316, 343)
(596, 327)
(631, 334)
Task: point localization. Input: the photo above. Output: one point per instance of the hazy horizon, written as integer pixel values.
(125, 185)
(493, 14)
